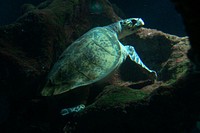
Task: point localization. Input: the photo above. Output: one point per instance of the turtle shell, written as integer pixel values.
(89, 59)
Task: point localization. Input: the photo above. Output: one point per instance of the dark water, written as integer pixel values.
(157, 14)
(10, 10)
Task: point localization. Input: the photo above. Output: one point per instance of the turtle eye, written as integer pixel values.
(133, 21)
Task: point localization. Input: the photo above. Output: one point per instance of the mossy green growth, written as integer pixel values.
(178, 71)
(115, 96)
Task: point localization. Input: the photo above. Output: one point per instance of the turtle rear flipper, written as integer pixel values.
(75, 109)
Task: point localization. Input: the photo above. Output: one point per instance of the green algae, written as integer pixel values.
(178, 71)
(115, 96)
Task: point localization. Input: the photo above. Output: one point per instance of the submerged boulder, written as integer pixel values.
(165, 53)
(122, 109)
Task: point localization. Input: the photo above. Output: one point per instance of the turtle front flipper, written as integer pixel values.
(134, 57)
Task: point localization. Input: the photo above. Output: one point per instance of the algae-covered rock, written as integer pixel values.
(114, 96)
(165, 53)
(121, 109)
(192, 26)
(178, 64)
(31, 45)
(109, 110)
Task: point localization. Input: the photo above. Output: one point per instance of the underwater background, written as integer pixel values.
(34, 35)
(157, 14)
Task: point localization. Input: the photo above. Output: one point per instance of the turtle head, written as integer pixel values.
(129, 26)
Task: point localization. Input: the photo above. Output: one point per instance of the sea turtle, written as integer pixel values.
(93, 56)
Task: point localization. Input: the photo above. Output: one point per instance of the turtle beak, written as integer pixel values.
(139, 23)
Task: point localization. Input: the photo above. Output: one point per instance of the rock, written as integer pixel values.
(121, 109)
(28, 49)
(26, 56)
(192, 26)
(165, 53)
(27, 8)
(31, 45)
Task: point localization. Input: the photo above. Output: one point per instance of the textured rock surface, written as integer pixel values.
(30, 46)
(186, 8)
(162, 52)
(121, 109)
(157, 107)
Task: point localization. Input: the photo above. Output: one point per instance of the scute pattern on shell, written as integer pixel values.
(89, 59)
